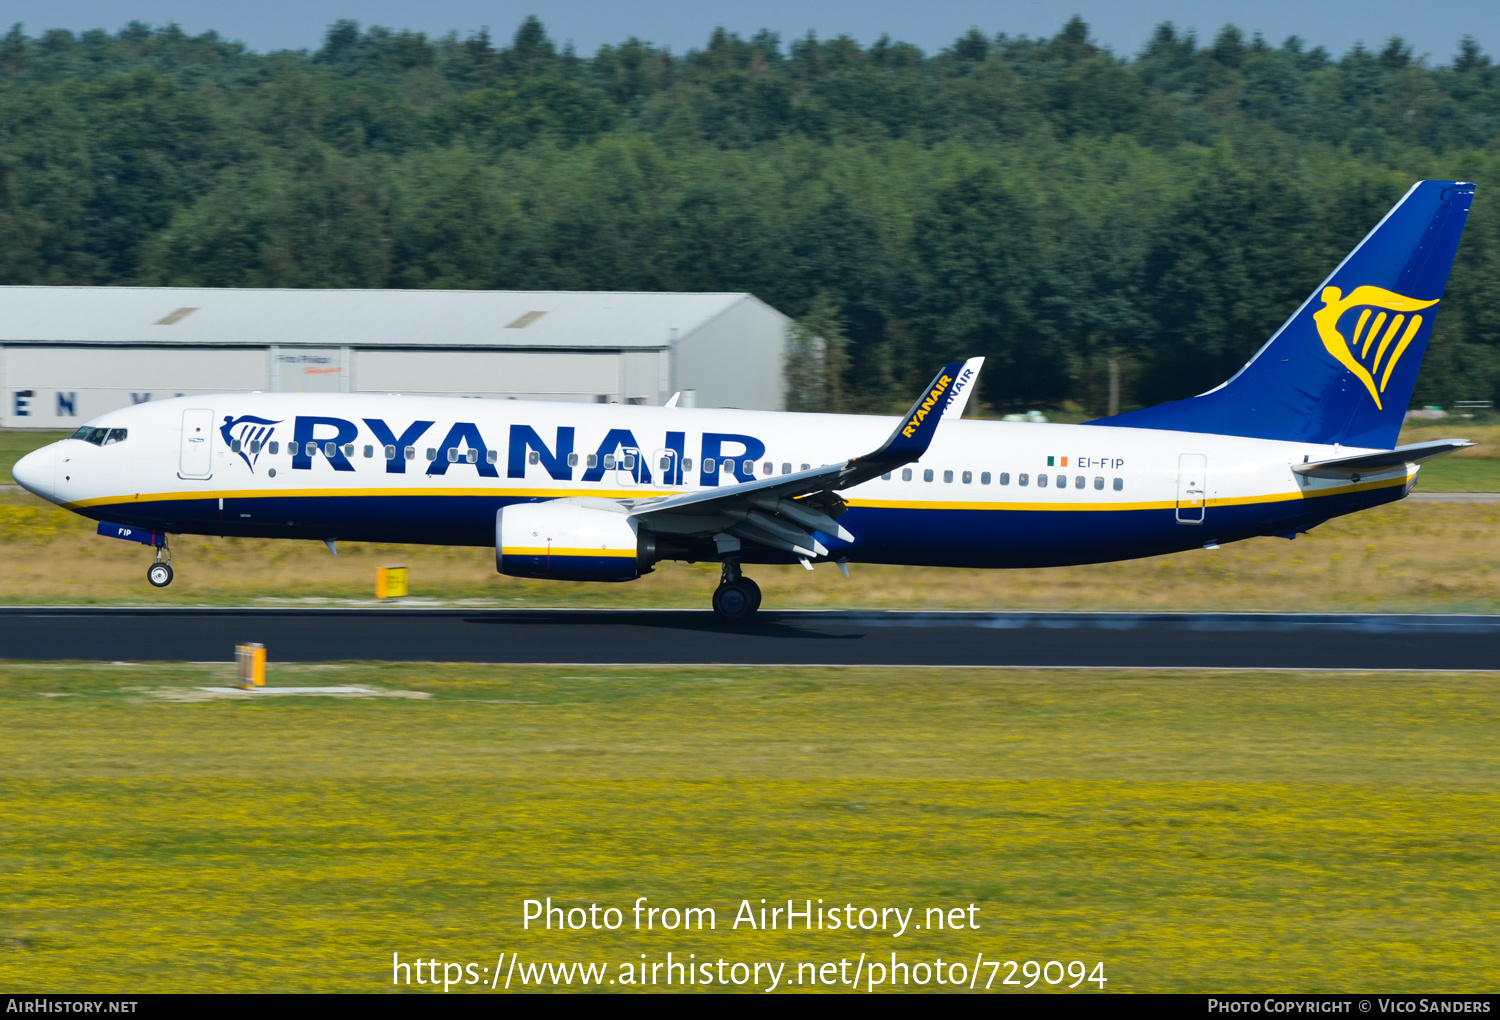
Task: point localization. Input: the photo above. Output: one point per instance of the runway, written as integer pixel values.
(1205, 640)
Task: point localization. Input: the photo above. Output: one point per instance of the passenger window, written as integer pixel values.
(254, 446)
(234, 446)
(708, 465)
(727, 466)
(1020, 479)
(687, 464)
(609, 460)
(411, 453)
(806, 466)
(1119, 485)
(493, 455)
(948, 477)
(767, 468)
(927, 475)
(593, 460)
(968, 477)
(1005, 478)
(118, 436)
(432, 453)
(906, 474)
(369, 452)
(1041, 481)
(984, 479)
(330, 449)
(749, 467)
(274, 444)
(390, 453)
(532, 457)
(349, 450)
(786, 469)
(1062, 481)
(472, 456)
(885, 477)
(572, 459)
(665, 465)
(630, 462)
(1079, 481)
(453, 455)
(1099, 482)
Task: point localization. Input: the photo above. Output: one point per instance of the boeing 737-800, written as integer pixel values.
(1306, 431)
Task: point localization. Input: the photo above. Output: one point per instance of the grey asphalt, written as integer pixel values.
(1207, 640)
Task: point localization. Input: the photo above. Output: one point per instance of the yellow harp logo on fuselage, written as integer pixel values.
(1378, 340)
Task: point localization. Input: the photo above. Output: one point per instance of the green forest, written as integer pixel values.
(1049, 204)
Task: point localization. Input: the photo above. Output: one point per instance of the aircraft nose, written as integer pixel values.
(33, 472)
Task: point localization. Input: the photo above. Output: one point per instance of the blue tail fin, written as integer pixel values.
(1342, 368)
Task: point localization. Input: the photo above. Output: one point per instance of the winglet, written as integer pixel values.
(948, 390)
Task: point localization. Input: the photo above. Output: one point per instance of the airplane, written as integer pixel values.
(1304, 432)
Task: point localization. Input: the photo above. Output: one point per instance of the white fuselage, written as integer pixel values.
(985, 493)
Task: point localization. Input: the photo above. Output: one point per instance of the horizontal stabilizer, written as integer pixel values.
(1339, 467)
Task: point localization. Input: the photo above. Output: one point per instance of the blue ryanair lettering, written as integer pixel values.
(524, 437)
(677, 443)
(383, 433)
(462, 433)
(614, 441)
(305, 435)
(713, 449)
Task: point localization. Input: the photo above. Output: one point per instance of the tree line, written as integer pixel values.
(1071, 214)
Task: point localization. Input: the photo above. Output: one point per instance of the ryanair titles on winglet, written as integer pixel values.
(936, 398)
(463, 445)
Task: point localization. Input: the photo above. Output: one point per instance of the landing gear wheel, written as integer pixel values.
(159, 574)
(736, 601)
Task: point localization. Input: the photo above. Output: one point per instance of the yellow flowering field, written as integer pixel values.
(1191, 830)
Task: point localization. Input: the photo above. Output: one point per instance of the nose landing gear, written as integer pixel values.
(737, 597)
(160, 572)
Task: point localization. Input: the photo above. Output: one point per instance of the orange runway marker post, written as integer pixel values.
(250, 661)
(390, 582)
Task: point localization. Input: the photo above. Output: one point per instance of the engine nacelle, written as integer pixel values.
(567, 541)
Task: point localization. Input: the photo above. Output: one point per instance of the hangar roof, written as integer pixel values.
(356, 318)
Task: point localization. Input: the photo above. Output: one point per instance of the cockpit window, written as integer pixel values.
(100, 437)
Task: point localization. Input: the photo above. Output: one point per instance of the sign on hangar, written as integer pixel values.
(70, 353)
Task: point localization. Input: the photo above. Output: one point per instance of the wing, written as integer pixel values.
(782, 512)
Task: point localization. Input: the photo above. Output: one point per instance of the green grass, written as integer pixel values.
(1193, 831)
(17, 443)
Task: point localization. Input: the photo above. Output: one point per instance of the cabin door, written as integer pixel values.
(197, 443)
(664, 468)
(1192, 488)
(628, 467)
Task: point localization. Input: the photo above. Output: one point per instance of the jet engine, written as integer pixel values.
(571, 540)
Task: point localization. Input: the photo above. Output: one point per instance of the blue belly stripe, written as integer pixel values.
(915, 535)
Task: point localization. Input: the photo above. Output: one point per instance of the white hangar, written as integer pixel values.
(70, 353)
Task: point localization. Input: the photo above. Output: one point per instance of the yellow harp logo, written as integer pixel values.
(1381, 316)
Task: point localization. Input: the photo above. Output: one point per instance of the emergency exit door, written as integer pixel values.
(1192, 488)
(197, 443)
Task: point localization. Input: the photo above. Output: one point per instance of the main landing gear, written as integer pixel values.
(737, 597)
(160, 572)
